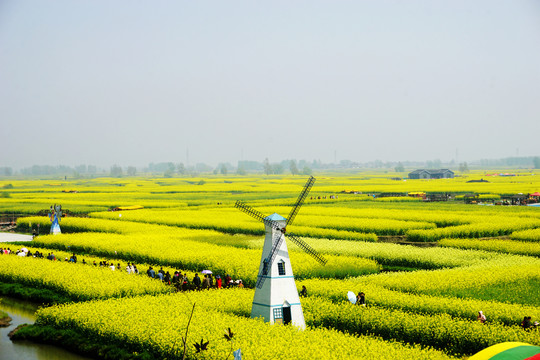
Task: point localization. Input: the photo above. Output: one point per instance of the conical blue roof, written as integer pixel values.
(275, 217)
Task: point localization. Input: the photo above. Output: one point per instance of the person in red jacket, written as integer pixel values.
(218, 281)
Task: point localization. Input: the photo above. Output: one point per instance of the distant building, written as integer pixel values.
(431, 174)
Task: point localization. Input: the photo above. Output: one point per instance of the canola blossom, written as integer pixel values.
(499, 312)
(160, 333)
(495, 227)
(532, 235)
(511, 269)
(191, 224)
(501, 246)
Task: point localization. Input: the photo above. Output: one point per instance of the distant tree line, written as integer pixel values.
(512, 161)
(304, 167)
(59, 170)
(289, 166)
(6, 171)
(295, 168)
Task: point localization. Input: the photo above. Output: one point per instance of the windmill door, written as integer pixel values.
(287, 315)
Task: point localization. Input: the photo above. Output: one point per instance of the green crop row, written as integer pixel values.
(461, 308)
(475, 277)
(231, 221)
(502, 246)
(527, 235)
(498, 226)
(456, 336)
(78, 282)
(182, 250)
(404, 255)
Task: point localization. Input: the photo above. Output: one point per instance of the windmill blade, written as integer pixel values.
(256, 214)
(276, 243)
(300, 199)
(308, 249)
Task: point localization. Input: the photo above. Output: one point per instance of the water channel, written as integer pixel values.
(22, 312)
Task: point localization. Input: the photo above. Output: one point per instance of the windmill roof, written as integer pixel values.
(275, 217)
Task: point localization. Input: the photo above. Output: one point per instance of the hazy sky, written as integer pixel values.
(134, 82)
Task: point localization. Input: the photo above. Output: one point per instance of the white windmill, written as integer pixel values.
(276, 297)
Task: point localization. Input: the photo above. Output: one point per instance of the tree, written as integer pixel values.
(202, 167)
(181, 169)
(434, 164)
(168, 173)
(250, 165)
(307, 170)
(277, 169)
(116, 171)
(240, 170)
(267, 167)
(7, 171)
(463, 167)
(399, 167)
(81, 169)
(131, 171)
(223, 169)
(536, 162)
(293, 168)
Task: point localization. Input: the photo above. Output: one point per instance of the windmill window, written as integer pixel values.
(281, 267)
(278, 313)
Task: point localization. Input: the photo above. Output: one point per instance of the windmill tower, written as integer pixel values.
(276, 297)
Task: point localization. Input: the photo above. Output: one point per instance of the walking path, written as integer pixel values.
(9, 237)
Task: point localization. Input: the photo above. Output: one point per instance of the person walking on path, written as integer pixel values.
(197, 282)
(206, 282)
(185, 283)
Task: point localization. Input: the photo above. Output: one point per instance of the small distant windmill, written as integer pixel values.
(55, 214)
(276, 297)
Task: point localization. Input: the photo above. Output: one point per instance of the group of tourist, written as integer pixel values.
(5, 251)
(21, 252)
(180, 281)
(323, 197)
